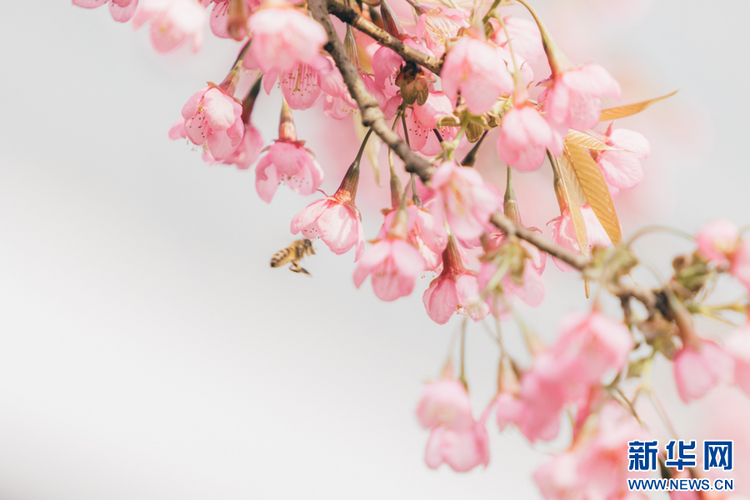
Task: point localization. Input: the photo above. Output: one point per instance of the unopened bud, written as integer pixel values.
(390, 21)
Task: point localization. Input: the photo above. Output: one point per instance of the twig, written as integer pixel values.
(350, 16)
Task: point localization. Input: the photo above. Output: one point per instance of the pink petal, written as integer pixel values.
(266, 179)
(309, 215)
(440, 300)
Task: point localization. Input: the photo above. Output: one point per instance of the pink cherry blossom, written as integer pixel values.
(283, 38)
(214, 118)
(475, 68)
(574, 98)
(697, 368)
(445, 402)
(738, 347)
(122, 10)
(439, 25)
(455, 438)
(531, 290)
(740, 267)
(221, 22)
(591, 345)
(248, 150)
(455, 290)
(337, 224)
(386, 65)
(622, 169)
(423, 231)
(524, 36)
(718, 240)
(172, 22)
(460, 196)
(563, 233)
(525, 136)
(394, 265)
(290, 163)
(422, 119)
(300, 86)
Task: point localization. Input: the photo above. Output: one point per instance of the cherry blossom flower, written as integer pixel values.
(622, 169)
(172, 22)
(718, 240)
(438, 25)
(282, 39)
(460, 196)
(698, 367)
(563, 234)
(573, 100)
(423, 231)
(738, 347)
(524, 35)
(455, 290)
(455, 437)
(229, 17)
(525, 136)
(287, 161)
(740, 267)
(474, 68)
(214, 118)
(122, 10)
(336, 218)
(393, 262)
(249, 149)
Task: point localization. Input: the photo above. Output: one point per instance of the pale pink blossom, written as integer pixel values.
(439, 25)
(621, 167)
(248, 150)
(212, 117)
(336, 218)
(455, 438)
(740, 267)
(421, 120)
(220, 19)
(525, 136)
(477, 70)
(122, 10)
(563, 234)
(699, 367)
(290, 163)
(386, 65)
(718, 240)
(455, 291)
(524, 37)
(738, 347)
(172, 22)
(531, 289)
(394, 265)
(283, 38)
(573, 100)
(426, 233)
(460, 196)
(300, 86)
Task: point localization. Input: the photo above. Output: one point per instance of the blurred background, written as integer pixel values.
(147, 349)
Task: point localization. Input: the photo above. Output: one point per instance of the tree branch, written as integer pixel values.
(373, 117)
(350, 16)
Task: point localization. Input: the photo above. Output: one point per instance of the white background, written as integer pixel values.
(147, 350)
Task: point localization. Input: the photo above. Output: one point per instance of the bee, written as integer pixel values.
(293, 254)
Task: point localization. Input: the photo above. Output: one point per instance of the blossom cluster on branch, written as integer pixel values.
(429, 79)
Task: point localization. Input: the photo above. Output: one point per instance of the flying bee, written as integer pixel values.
(293, 254)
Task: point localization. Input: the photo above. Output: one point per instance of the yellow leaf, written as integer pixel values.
(595, 189)
(630, 109)
(586, 141)
(567, 178)
(574, 187)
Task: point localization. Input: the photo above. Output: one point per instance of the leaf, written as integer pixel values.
(595, 189)
(576, 192)
(630, 109)
(586, 141)
(579, 225)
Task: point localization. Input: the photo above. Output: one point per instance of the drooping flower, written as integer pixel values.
(477, 70)
(525, 136)
(718, 240)
(172, 22)
(573, 100)
(229, 17)
(393, 263)
(455, 437)
(122, 10)
(460, 196)
(438, 25)
(423, 231)
(454, 291)
(621, 167)
(524, 36)
(212, 117)
(287, 161)
(336, 218)
(698, 367)
(248, 151)
(282, 39)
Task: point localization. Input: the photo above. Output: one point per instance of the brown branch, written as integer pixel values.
(368, 105)
(373, 117)
(350, 16)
